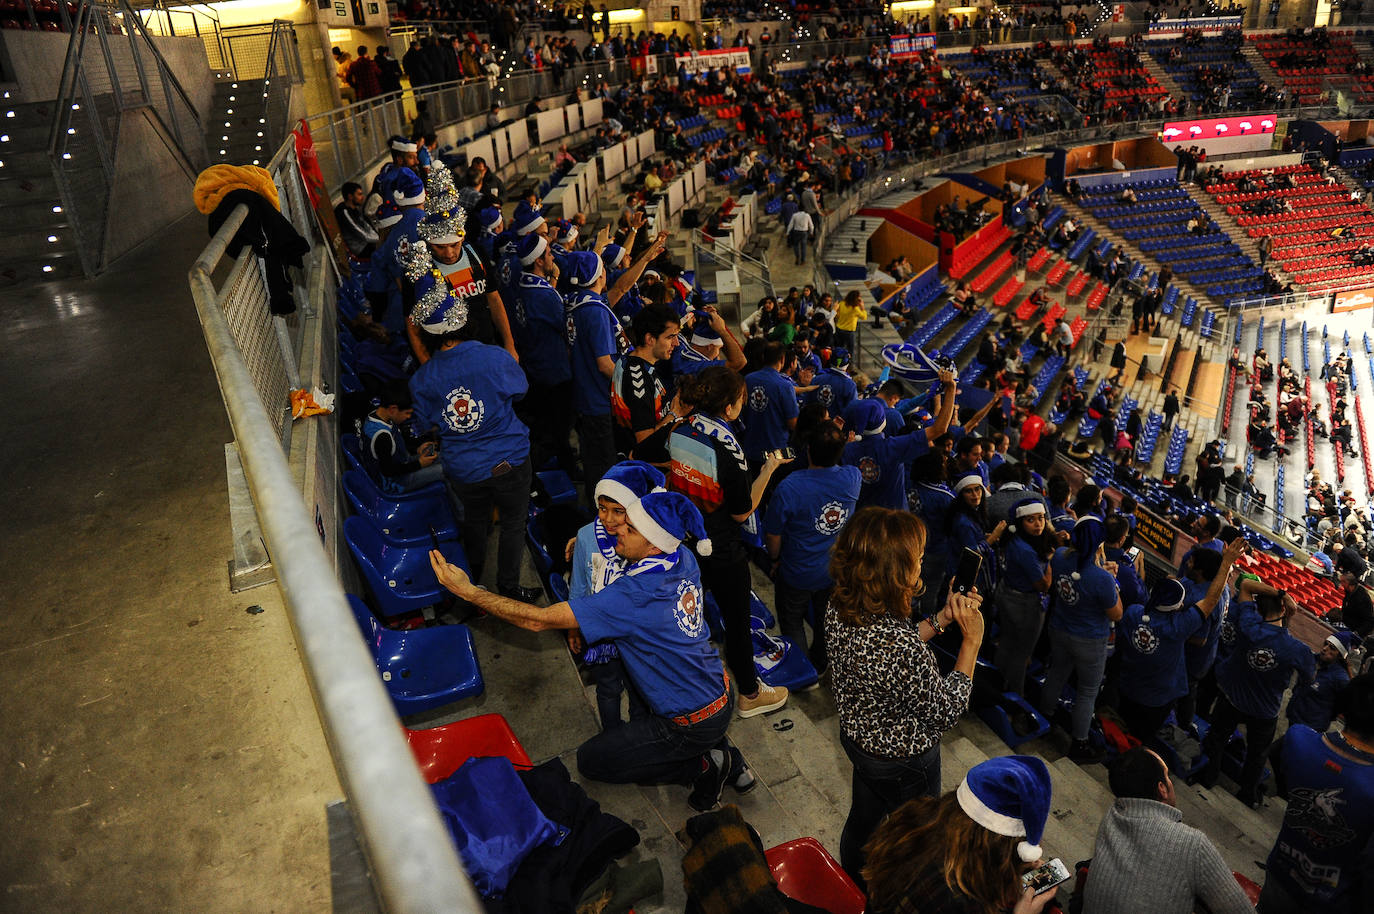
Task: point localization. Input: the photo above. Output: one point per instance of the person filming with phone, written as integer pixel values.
(893, 702)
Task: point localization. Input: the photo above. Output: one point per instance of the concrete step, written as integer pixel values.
(27, 270)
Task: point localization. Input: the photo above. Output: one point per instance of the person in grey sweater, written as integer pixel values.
(1146, 860)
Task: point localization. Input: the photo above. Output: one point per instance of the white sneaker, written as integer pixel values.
(769, 698)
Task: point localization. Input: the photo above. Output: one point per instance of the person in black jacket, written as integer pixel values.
(1170, 409)
(390, 76)
(417, 66)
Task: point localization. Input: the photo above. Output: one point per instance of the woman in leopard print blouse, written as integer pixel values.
(893, 702)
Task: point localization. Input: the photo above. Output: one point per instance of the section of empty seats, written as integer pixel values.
(1007, 292)
(1305, 63)
(1077, 284)
(1038, 260)
(970, 253)
(1057, 273)
(984, 280)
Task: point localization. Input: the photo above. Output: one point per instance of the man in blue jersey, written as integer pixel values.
(597, 343)
(770, 412)
(404, 156)
(709, 343)
(881, 461)
(1151, 640)
(1315, 705)
(654, 614)
(469, 391)
(540, 330)
(807, 511)
(834, 388)
(1252, 680)
(1323, 859)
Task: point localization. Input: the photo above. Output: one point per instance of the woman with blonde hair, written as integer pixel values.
(968, 851)
(892, 700)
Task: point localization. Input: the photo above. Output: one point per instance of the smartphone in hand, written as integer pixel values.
(966, 575)
(1046, 878)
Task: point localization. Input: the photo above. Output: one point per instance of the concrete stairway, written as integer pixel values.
(1261, 66)
(38, 240)
(1162, 76)
(235, 127)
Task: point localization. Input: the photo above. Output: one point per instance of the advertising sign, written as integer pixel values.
(901, 47)
(701, 61)
(1357, 300)
(1166, 28)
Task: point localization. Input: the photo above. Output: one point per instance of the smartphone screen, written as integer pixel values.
(966, 575)
(1046, 878)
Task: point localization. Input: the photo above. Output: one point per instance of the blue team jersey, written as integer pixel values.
(931, 503)
(882, 466)
(593, 331)
(1132, 588)
(595, 564)
(655, 615)
(386, 266)
(1315, 705)
(540, 331)
(834, 390)
(469, 391)
(808, 510)
(1153, 671)
(1263, 659)
(1022, 568)
(1322, 854)
(770, 403)
(1081, 604)
(1200, 657)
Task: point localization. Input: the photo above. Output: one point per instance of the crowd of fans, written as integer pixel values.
(892, 517)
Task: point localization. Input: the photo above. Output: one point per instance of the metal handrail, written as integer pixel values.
(415, 864)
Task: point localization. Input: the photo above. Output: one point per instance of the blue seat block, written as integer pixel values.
(424, 668)
(399, 577)
(996, 718)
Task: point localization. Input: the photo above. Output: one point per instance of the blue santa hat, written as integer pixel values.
(1088, 535)
(629, 481)
(866, 417)
(583, 269)
(408, 189)
(401, 144)
(703, 334)
(530, 248)
(1341, 641)
(1026, 507)
(665, 519)
(388, 214)
(524, 210)
(564, 232)
(1009, 796)
(437, 310)
(910, 363)
(1168, 596)
(489, 217)
(611, 255)
(527, 221)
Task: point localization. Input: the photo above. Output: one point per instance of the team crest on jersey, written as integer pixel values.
(520, 312)
(464, 411)
(832, 518)
(1317, 813)
(869, 469)
(1228, 632)
(913, 500)
(1066, 591)
(826, 395)
(758, 399)
(687, 611)
(1262, 659)
(1144, 639)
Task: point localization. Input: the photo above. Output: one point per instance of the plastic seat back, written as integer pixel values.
(403, 521)
(440, 751)
(804, 871)
(399, 577)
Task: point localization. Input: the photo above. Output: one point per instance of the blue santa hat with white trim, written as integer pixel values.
(530, 248)
(489, 217)
(1009, 796)
(1087, 536)
(583, 269)
(665, 519)
(527, 221)
(1168, 596)
(564, 232)
(629, 481)
(1341, 641)
(408, 189)
(866, 417)
(611, 256)
(388, 214)
(1026, 507)
(703, 334)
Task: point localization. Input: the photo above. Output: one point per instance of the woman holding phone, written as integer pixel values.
(893, 702)
(1085, 604)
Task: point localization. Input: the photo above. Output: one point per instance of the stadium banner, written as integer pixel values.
(701, 61)
(1168, 28)
(902, 47)
(1155, 532)
(1356, 300)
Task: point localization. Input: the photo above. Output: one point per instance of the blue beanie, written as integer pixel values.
(665, 519)
(629, 481)
(527, 222)
(583, 269)
(407, 188)
(1010, 796)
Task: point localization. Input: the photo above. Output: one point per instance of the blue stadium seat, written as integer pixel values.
(399, 577)
(403, 521)
(424, 668)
